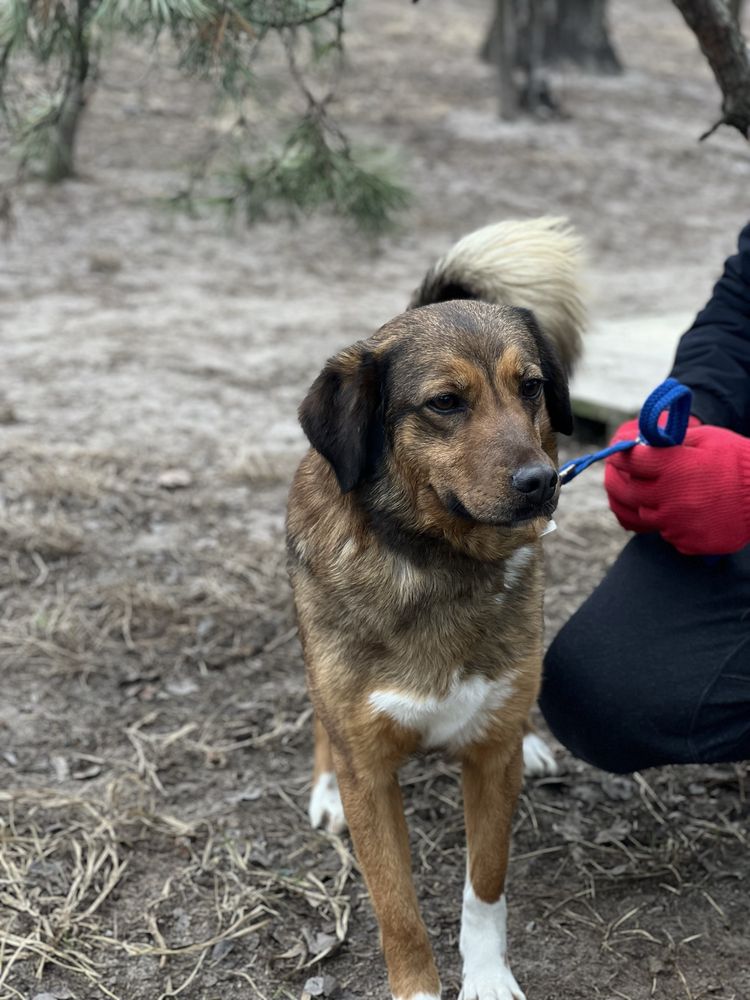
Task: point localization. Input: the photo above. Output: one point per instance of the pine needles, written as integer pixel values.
(315, 167)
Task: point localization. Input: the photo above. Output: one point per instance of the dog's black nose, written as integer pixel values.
(536, 482)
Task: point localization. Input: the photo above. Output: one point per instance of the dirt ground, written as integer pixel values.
(154, 728)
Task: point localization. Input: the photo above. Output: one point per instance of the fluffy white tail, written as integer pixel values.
(534, 264)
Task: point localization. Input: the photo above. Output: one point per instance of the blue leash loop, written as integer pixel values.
(671, 397)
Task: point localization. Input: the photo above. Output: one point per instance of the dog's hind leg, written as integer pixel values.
(325, 807)
(492, 775)
(538, 759)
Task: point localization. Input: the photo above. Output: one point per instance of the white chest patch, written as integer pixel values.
(453, 721)
(516, 566)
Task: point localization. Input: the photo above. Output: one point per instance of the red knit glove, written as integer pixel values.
(696, 495)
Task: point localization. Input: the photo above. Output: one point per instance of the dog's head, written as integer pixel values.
(447, 413)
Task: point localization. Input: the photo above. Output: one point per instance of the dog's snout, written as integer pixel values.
(536, 482)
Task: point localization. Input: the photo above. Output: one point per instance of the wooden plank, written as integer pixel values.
(623, 360)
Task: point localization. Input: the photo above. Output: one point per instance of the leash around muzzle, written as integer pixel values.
(672, 398)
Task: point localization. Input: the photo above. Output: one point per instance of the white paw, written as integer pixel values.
(483, 946)
(496, 984)
(538, 759)
(325, 807)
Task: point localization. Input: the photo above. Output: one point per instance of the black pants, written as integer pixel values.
(654, 668)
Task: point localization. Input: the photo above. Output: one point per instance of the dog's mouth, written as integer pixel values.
(522, 515)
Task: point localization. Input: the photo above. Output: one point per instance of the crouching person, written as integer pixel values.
(654, 668)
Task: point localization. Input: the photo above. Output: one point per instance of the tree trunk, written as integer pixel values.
(580, 35)
(501, 48)
(60, 159)
(575, 31)
(536, 94)
(535, 85)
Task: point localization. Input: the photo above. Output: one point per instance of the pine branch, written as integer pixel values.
(303, 19)
(315, 169)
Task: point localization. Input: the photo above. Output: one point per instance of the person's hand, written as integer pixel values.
(696, 495)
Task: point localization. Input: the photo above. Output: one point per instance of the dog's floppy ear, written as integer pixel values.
(556, 394)
(342, 414)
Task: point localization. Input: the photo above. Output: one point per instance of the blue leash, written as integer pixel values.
(671, 396)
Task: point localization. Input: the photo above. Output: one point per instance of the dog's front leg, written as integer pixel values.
(374, 810)
(492, 775)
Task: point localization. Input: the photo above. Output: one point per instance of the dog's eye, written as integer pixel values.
(446, 402)
(531, 388)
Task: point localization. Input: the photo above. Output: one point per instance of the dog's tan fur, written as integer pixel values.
(403, 526)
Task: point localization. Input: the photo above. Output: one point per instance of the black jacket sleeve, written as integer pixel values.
(713, 357)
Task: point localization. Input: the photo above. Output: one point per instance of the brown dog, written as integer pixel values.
(413, 532)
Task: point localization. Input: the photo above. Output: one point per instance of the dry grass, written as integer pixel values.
(51, 537)
(62, 858)
(90, 870)
(65, 860)
(154, 749)
(266, 467)
(157, 811)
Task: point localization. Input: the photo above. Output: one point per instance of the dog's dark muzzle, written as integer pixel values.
(536, 489)
(537, 484)
(539, 499)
